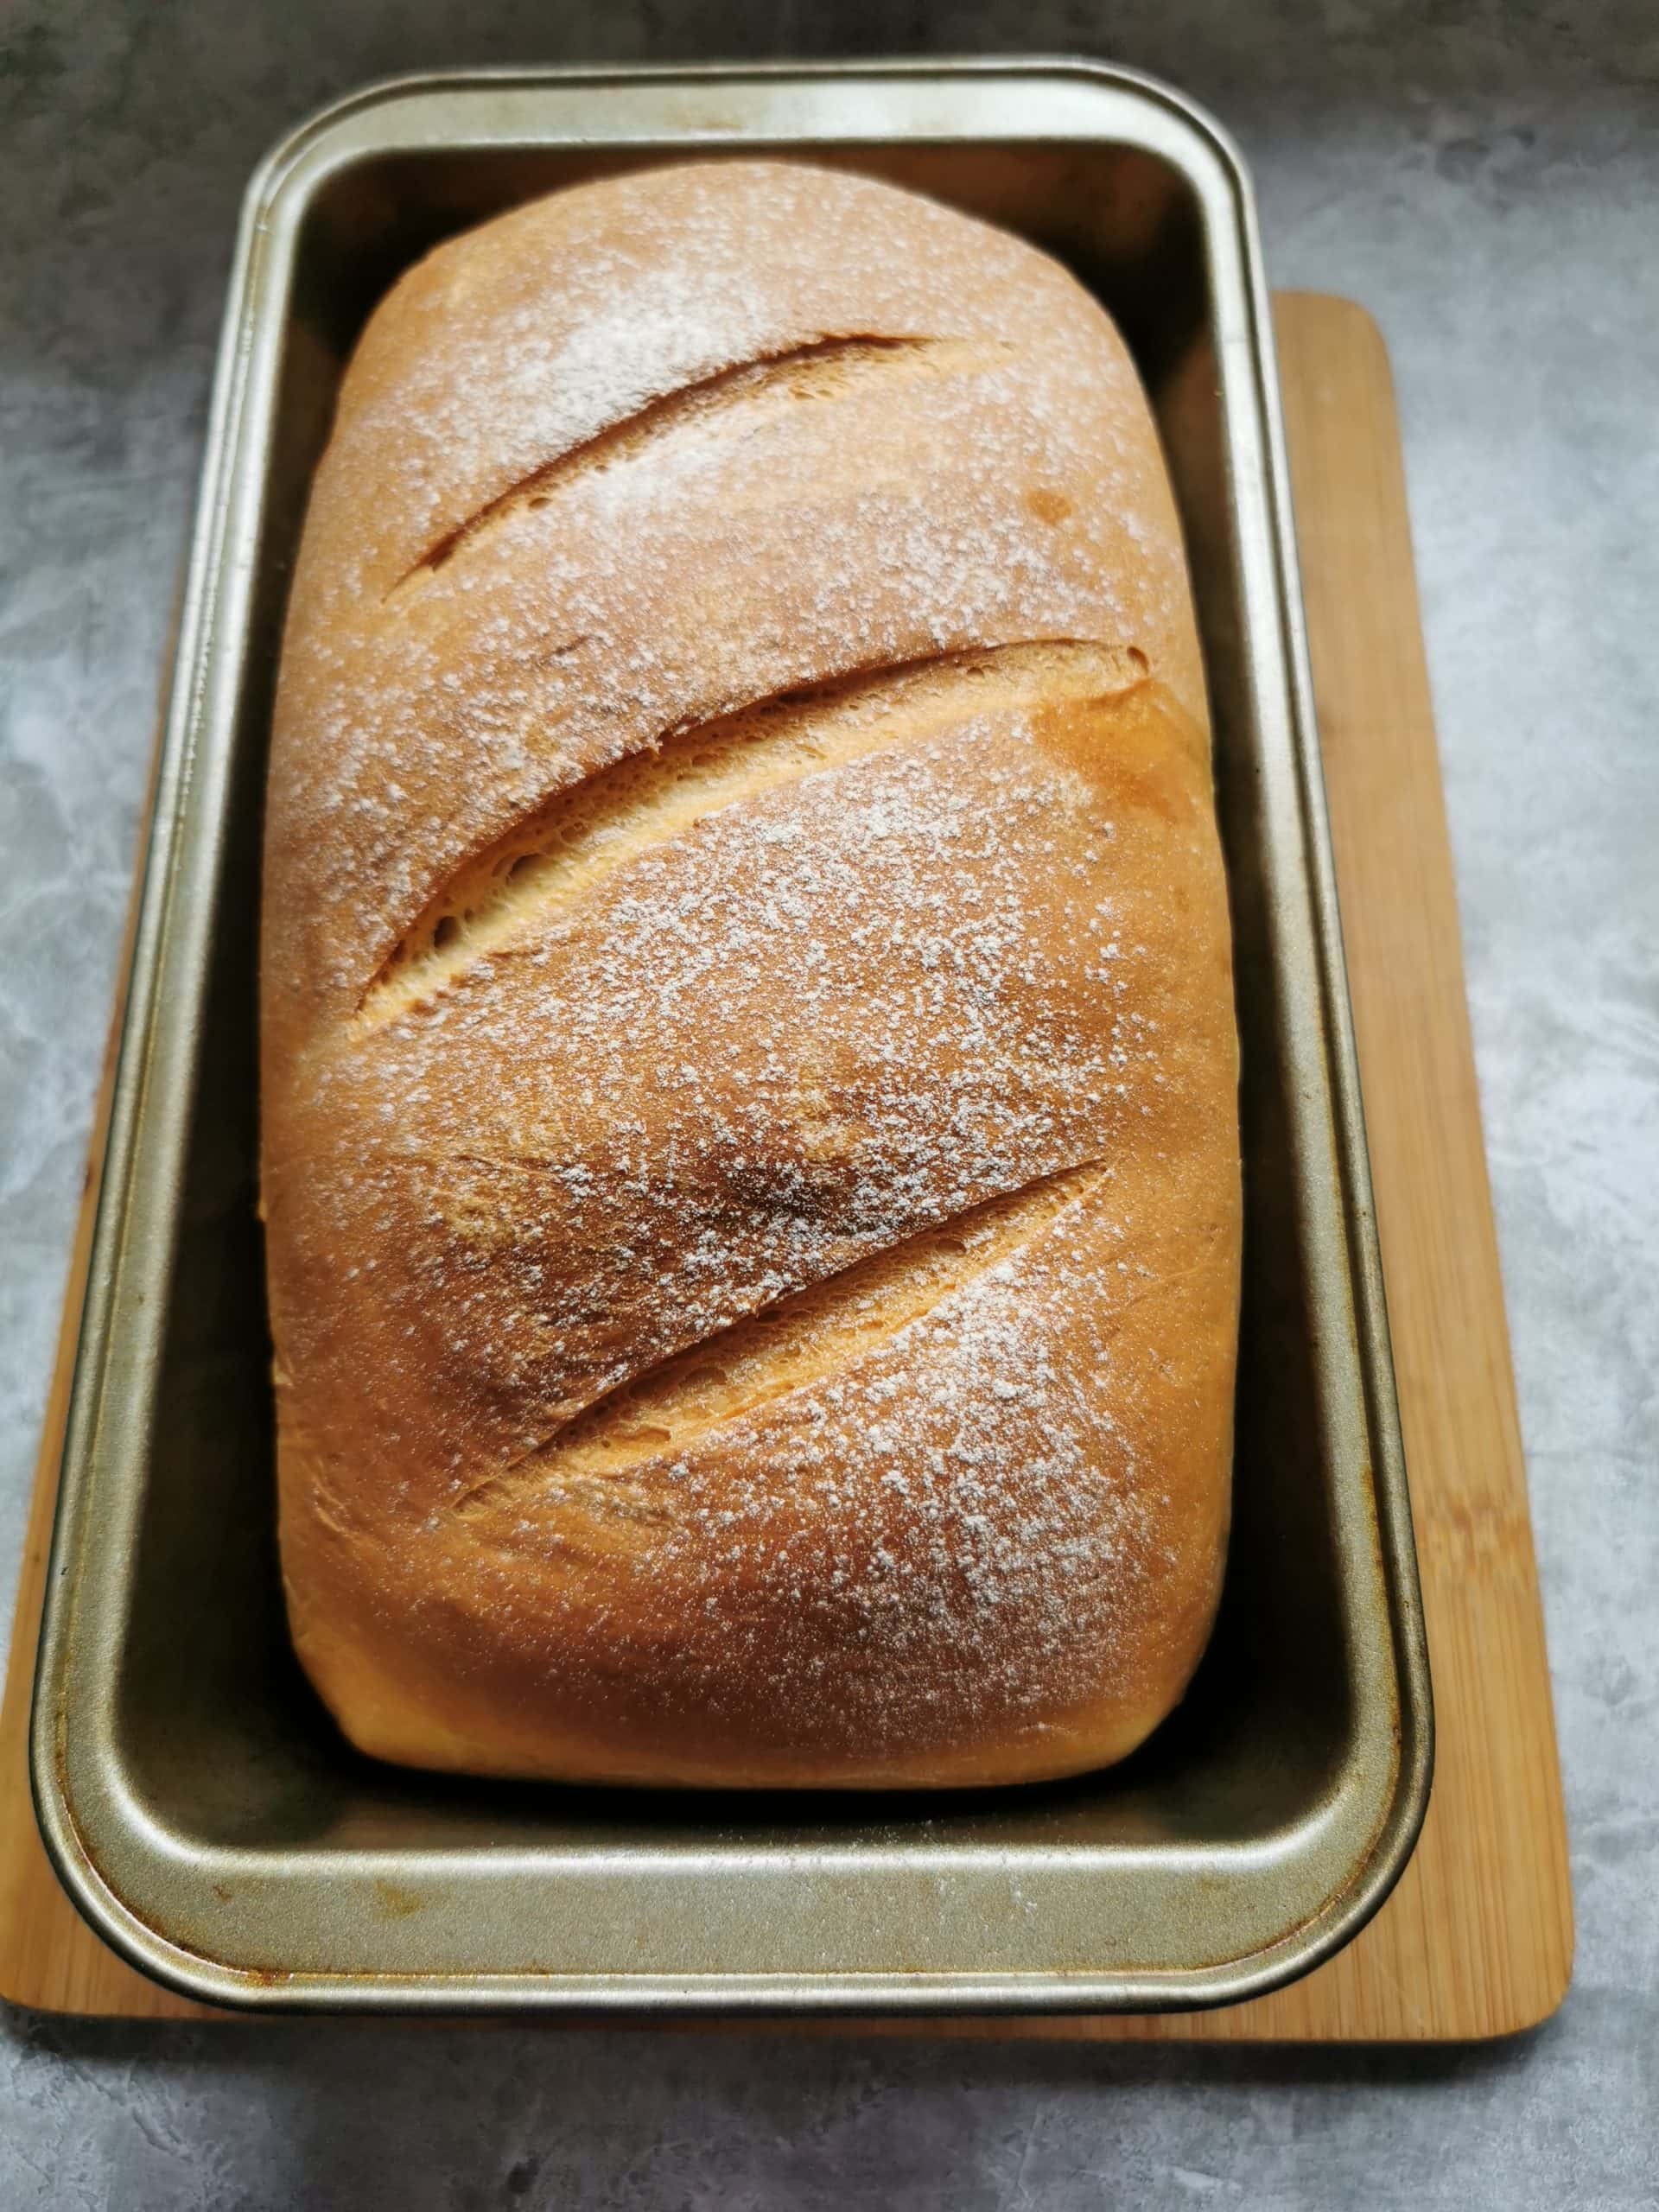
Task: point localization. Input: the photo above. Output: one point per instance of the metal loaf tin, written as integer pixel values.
(197, 1802)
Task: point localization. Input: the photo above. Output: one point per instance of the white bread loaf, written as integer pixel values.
(749, 1151)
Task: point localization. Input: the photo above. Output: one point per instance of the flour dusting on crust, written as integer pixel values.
(749, 1147)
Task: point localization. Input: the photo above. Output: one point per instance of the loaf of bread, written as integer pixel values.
(750, 1154)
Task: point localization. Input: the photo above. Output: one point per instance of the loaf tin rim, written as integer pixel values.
(168, 853)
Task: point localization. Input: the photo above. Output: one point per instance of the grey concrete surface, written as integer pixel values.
(1486, 178)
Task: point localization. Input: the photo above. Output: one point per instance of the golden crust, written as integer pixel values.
(750, 1157)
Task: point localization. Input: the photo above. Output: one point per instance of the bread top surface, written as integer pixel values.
(749, 1147)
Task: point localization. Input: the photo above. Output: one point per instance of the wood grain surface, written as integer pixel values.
(1477, 1939)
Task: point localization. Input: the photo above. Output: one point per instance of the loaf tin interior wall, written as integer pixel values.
(221, 1733)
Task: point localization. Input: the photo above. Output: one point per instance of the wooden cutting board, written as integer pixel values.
(1477, 1939)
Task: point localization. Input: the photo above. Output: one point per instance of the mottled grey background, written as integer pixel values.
(1486, 179)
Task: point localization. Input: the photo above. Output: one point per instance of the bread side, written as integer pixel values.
(749, 1149)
